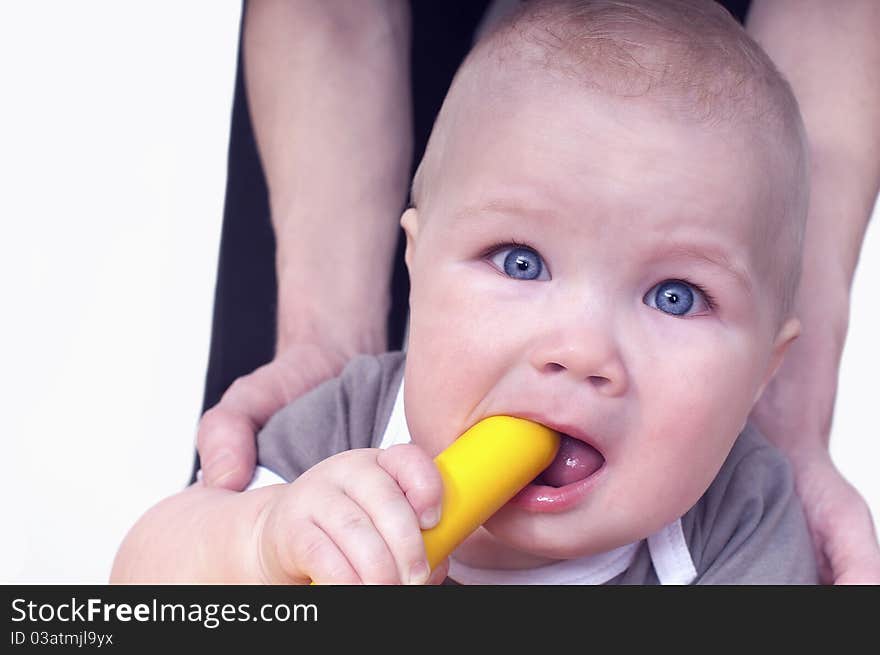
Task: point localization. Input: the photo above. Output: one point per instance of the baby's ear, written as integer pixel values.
(410, 224)
(790, 330)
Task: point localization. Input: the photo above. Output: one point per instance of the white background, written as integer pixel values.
(114, 125)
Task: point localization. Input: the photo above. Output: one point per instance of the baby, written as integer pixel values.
(604, 238)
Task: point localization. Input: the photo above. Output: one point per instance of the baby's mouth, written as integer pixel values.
(575, 461)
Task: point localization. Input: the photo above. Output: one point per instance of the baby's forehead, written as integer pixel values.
(581, 154)
(688, 61)
(690, 54)
(546, 115)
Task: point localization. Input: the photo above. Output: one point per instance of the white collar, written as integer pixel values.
(668, 548)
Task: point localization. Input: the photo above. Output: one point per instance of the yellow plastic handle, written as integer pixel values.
(482, 470)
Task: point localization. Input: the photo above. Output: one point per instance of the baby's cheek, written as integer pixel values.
(438, 406)
(452, 364)
(452, 325)
(441, 388)
(684, 435)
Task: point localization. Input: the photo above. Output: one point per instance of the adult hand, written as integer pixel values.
(841, 524)
(227, 432)
(795, 413)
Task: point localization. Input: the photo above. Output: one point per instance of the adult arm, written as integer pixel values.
(328, 91)
(830, 53)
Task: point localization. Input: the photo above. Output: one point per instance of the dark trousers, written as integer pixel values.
(243, 330)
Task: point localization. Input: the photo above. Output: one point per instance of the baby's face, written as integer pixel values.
(589, 265)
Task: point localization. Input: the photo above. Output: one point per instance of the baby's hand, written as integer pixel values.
(354, 518)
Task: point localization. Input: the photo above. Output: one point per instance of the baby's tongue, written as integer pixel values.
(574, 461)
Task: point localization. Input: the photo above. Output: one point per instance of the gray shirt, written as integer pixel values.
(747, 528)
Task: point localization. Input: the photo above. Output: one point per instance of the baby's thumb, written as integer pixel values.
(227, 448)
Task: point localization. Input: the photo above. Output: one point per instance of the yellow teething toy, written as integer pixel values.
(483, 469)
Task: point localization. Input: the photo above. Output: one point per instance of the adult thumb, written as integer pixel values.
(227, 448)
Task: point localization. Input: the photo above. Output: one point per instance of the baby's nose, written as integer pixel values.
(595, 359)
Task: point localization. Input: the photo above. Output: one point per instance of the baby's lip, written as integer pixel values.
(569, 429)
(578, 459)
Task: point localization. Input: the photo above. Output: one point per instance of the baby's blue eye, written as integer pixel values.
(674, 297)
(520, 263)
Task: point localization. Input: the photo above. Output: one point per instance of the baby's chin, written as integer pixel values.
(513, 541)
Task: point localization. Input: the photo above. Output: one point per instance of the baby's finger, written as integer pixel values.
(318, 558)
(418, 477)
(382, 499)
(440, 573)
(352, 530)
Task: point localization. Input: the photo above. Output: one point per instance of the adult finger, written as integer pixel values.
(258, 395)
(227, 448)
(852, 548)
(227, 432)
